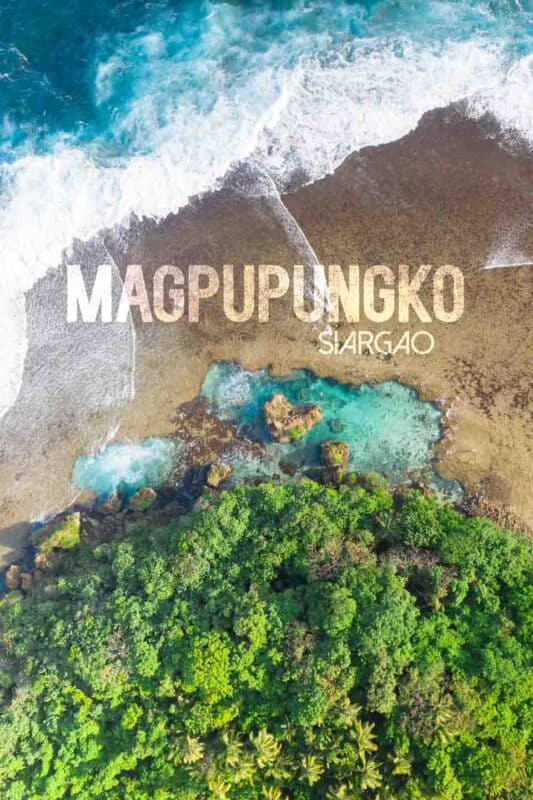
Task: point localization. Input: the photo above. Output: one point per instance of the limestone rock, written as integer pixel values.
(217, 473)
(86, 499)
(91, 525)
(40, 562)
(110, 506)
(13, 577)
(287, 422)
(26, 581)
(334, 457)
(143, 499)
(130, 524)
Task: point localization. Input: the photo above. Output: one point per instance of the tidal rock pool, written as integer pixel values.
(386, 426)
(126, 467)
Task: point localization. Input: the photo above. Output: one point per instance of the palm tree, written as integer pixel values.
(329, 743)
(273, 793)
(362, 734)
(385, 520)
(193, 750)
(290, 732)
(344, 791)
(399, 763)
(245, 770)
(281, 769)
(234, 748)
(370, 776)
(443, 713)
(348, 713)
(386, 794)
(219, 788)
(310, 770)
(268, 749)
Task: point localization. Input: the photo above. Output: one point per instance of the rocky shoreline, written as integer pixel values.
(208, 442)
(91, 521)
(445, 194)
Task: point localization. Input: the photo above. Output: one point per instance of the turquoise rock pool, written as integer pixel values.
(387, 427)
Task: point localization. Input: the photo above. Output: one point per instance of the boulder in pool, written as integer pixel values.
(287, 422)
(334, 457)
(217, 474)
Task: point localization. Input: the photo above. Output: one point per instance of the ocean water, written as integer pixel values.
(126, 467)
(114, 109)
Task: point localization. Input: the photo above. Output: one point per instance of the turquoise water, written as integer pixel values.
(126, 467)
(113, 74)
(387, 426)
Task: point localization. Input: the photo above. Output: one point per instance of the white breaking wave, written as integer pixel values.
(376, 92)
(306, 120)
(253, 182)
(509, 264)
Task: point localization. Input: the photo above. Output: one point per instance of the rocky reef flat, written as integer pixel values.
(448, 193)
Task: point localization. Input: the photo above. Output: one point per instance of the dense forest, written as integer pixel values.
(295, 642)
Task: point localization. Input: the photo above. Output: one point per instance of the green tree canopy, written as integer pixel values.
(290, 641)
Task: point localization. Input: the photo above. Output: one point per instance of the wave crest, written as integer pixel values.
(299, 105)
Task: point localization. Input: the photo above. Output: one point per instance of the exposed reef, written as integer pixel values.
(287, 422)
(217, 474)
(334, 457)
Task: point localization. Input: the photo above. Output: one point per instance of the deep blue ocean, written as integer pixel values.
(112, 109)
(110, 76)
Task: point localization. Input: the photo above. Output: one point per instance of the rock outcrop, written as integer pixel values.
(12, 578)
(143, 499)
(15, 578)
(287, 422)
(206, 439)
(26, 581)
(217, 474)
(334, 457)
(112, 505)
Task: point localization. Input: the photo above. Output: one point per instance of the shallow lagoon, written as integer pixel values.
(387, 426)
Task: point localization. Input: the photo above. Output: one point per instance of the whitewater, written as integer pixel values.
(184, 92)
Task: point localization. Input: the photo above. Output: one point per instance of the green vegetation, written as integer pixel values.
(296, 642)
(66, 536)
(337, 457)
(297, 432)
